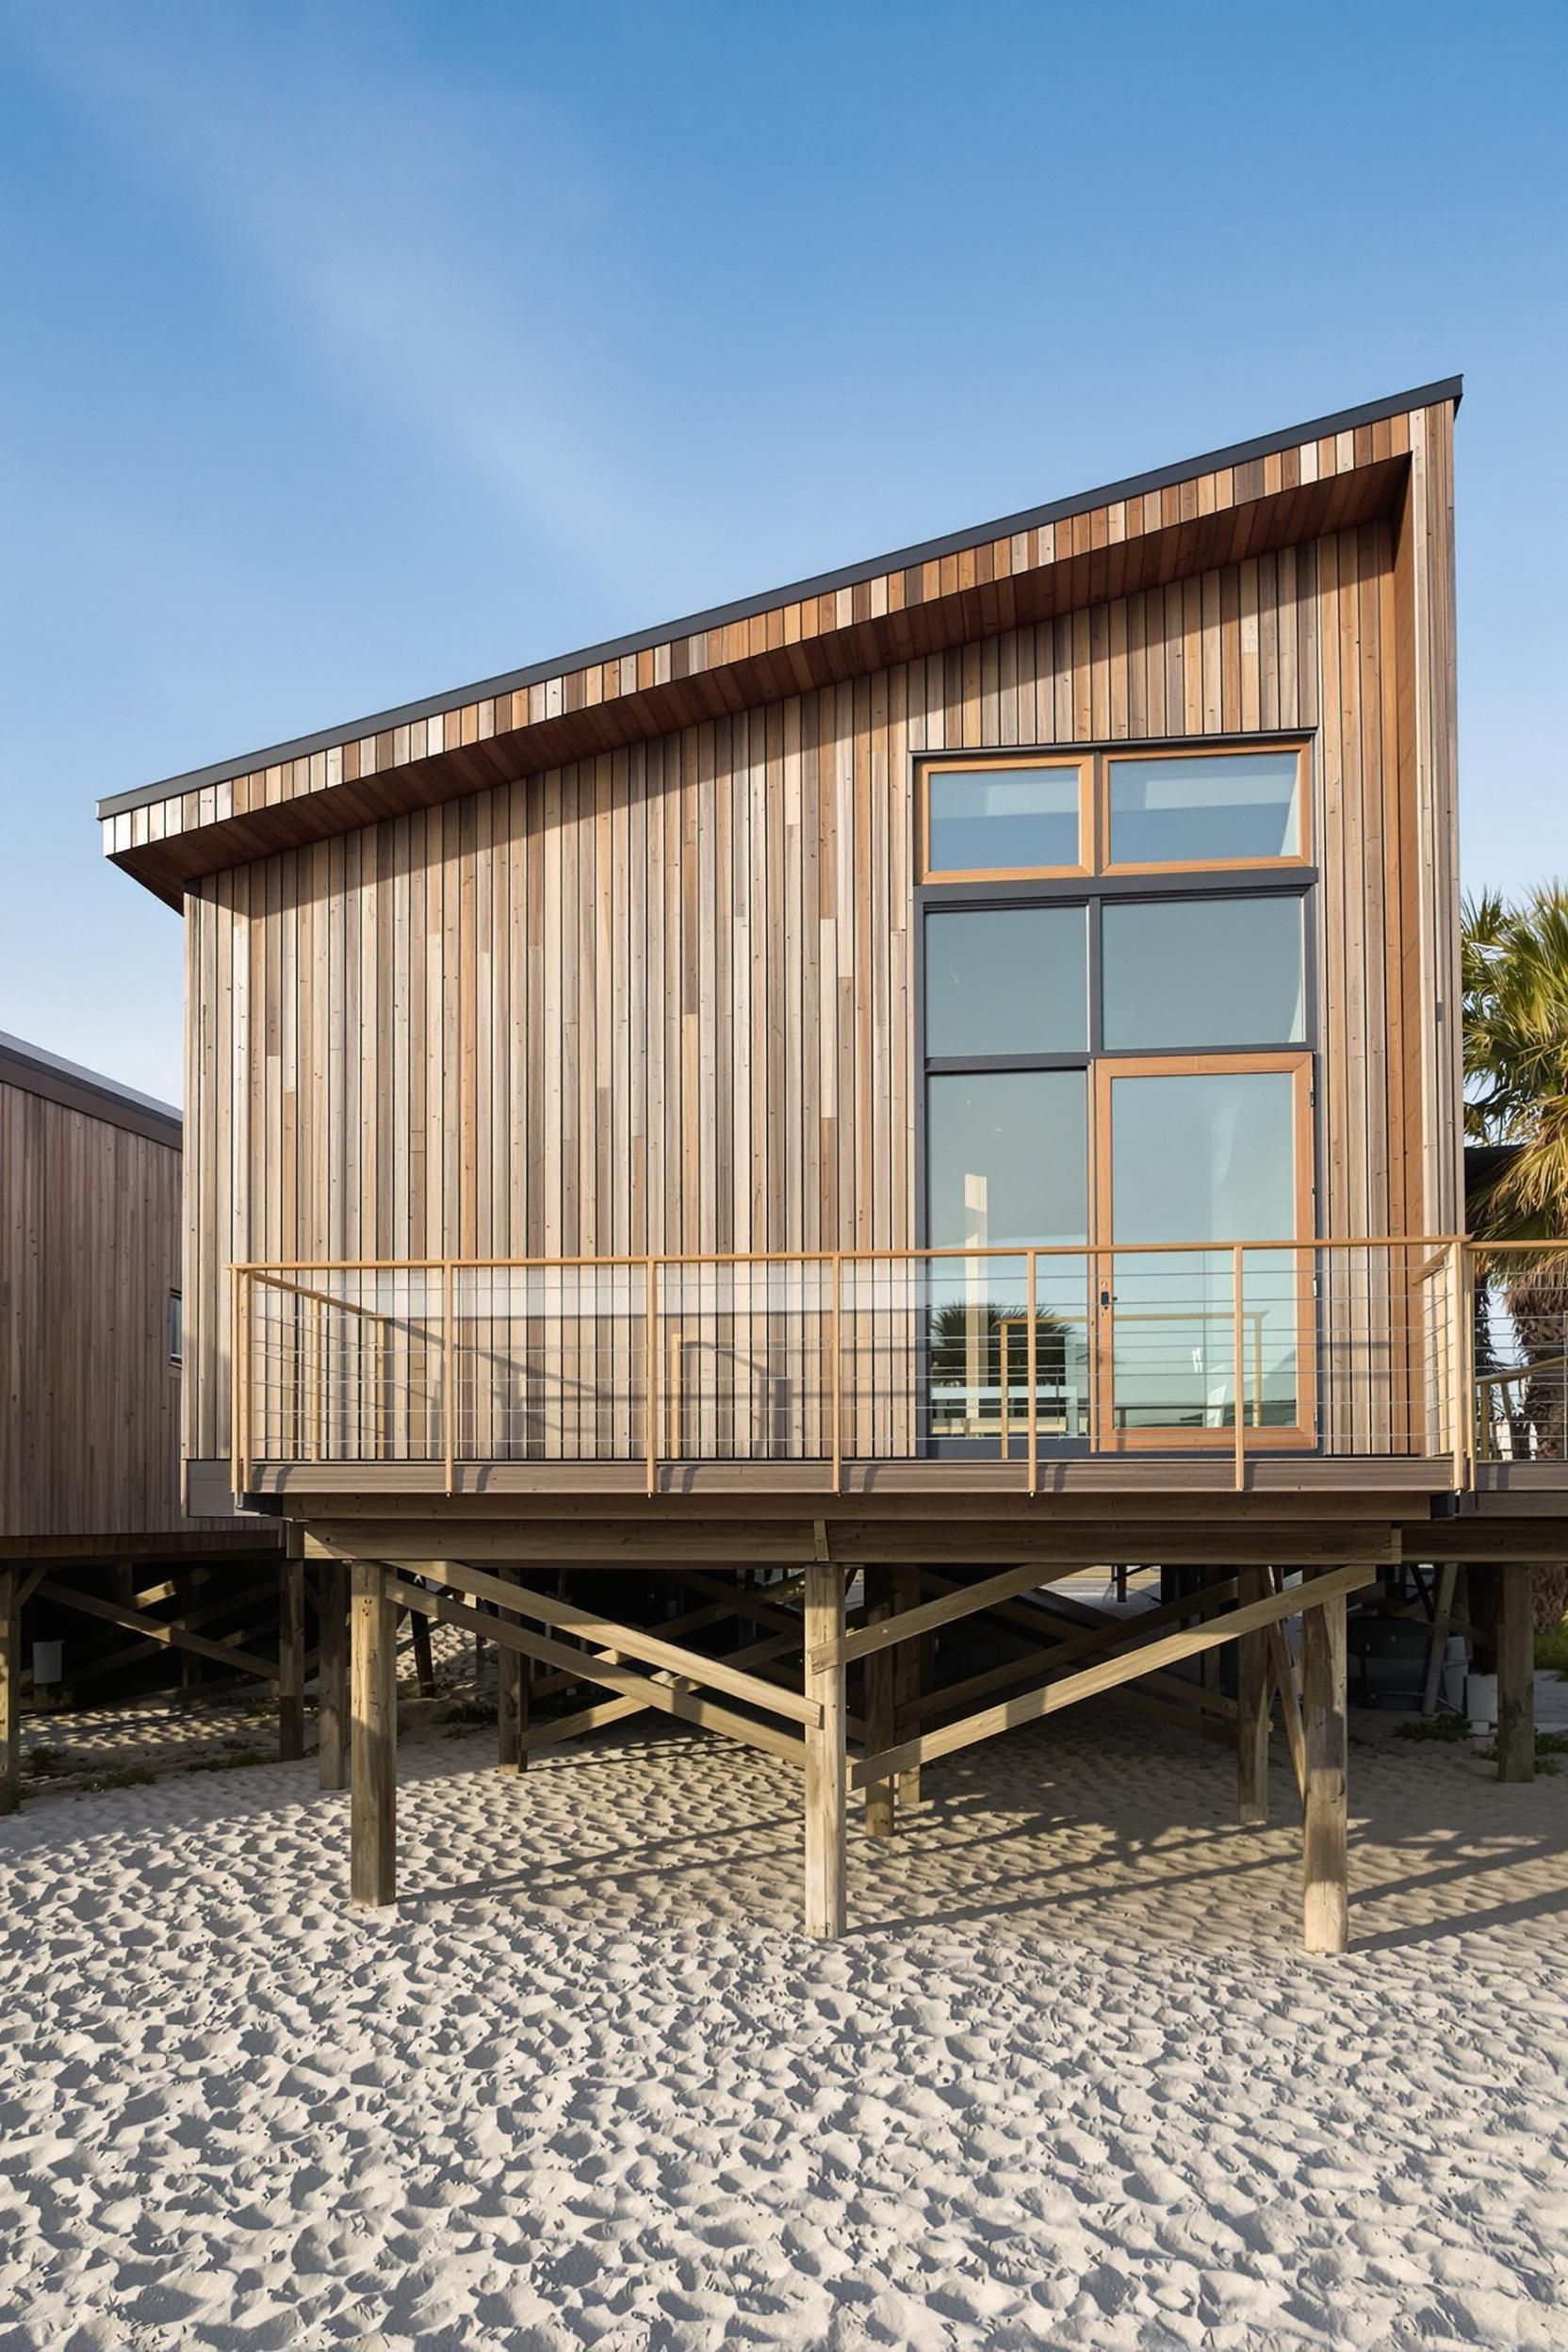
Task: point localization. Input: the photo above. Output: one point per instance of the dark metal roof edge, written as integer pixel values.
(21, 1064)
(823, 584)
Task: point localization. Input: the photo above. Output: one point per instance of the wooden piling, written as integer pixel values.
(824, 1754)
(332, 1700)
(511, 1706)
(373, 1779)
(10, 1688)
(1325, 1886)
(1515, 1672)
(910, 1678)
(424, 1655)
(291, 1660)
(1254, 1700)
(881, 1670)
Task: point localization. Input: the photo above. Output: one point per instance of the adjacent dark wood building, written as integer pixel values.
(948, 1070)
(92, 1517)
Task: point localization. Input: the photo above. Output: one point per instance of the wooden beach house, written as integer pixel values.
(92, 1522)
(908, 1083)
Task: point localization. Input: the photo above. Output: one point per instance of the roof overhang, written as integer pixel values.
(1331, 474)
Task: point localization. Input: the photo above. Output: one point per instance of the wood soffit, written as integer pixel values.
(1328, 476)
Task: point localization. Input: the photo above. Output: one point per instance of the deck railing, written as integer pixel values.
(1362, 1348)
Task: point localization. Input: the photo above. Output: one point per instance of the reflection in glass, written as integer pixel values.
(1001, 820)
(1205, 971)
(1225, 805)
(1007, 1162)
(1201, 1157)
(1006, 980)
(1006, 1158)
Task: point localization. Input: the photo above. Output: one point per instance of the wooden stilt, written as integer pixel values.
(911, 1663)
(1325, 1887)
(424, 1656)
(1442, 1618)
(880, 1708)
(10, 1688)
(373, 1831)
(291, 1660)
(825, 1752)
(1515, 1672)
(511, 1709)
(332, 1699)
(1254, 1700)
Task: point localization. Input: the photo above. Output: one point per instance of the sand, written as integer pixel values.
(1068, 2080)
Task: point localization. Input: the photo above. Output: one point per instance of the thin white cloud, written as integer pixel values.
(432, 246)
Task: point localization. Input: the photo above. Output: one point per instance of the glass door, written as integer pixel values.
(1210, 1152)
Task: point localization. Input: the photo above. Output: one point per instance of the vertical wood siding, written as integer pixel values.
(660, 1001)
(90, 1250)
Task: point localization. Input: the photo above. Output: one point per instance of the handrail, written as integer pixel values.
(847, 1389)
(894, 1252)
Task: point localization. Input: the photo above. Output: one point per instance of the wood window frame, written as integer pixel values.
(1093, 763)
(1298, 1063)
(966, 763)
(1287, 861)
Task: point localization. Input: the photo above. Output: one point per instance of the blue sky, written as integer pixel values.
(353, 352)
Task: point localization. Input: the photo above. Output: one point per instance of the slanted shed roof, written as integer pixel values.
(29, 1068)
(1326, 475)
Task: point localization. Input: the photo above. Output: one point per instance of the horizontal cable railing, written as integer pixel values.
(1431, 1349)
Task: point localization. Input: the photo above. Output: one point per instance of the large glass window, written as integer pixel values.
(986, 819)
(1118, 1090)
(1216, 807)
(1202, 971)
(1001, 980)
(1006, 1158)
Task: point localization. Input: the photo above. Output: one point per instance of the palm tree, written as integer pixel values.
(1515, 971)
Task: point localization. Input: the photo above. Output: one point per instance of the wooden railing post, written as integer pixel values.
(1032, 1375)
(1457, 1385)
(234, 1379)
(449, 1350)
(836, 1384)
(1093, 1336)
(1238, 1357)
(650, 1369)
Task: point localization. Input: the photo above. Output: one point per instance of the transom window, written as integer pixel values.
(1049, 814)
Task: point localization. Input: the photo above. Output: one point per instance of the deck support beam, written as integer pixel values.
(373, 1800)
(1254, 1699)
(512, 1696)
(331, 1684)
(291, 1659)
(12, 1574)
(824, 1749)
(1325, 1875)
(881, 1670)
(1515, 1672)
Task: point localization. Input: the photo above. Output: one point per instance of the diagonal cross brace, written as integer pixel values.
(588, 1667)
(1031, 1705)
(566, 1617)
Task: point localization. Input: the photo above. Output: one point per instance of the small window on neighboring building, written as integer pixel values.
(176, 1330)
